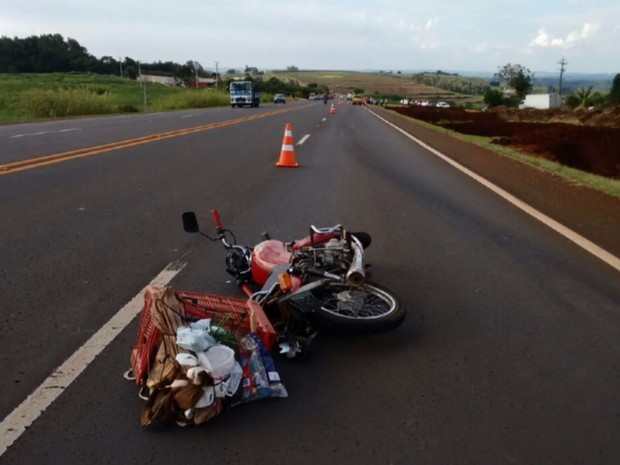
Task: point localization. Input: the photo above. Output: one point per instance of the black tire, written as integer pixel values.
(369, 308)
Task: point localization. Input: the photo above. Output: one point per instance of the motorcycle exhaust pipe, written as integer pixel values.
(356, 275)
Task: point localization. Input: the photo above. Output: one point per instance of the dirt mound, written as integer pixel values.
(586, 140)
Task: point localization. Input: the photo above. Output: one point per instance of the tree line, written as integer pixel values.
(52, 53)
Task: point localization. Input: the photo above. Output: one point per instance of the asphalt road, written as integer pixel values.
(509, 353)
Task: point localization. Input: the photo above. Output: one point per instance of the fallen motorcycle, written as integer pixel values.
(317, 282)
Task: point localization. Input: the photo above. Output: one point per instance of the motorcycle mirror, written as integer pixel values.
(190, 222)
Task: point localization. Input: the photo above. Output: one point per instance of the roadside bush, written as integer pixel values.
(572, 101)
(494, 98)
(66, 102)
(614, 93)
(191, 98)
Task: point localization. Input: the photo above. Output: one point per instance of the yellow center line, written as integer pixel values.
(38, 162)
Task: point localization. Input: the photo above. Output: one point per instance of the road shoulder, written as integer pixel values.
(590, 213)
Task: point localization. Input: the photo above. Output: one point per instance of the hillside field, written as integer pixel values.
(381, 84)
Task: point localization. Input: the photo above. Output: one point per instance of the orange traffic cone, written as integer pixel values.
(332, 110)
(287, 154)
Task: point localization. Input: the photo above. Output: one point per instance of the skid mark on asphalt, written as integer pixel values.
(36, 403)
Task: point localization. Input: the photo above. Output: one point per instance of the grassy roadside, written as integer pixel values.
(26, 97)
(606, 185)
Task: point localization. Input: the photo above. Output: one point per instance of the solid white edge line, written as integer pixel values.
(16, 422)
(303, 139)
(571, 235)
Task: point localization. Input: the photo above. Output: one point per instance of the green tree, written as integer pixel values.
(572, 101)
(583, 95)
(614, 93)
(493, 98)
(518, 78)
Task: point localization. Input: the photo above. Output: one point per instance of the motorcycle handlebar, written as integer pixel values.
(216, 219)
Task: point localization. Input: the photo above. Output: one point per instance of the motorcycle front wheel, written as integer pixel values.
(367, 308)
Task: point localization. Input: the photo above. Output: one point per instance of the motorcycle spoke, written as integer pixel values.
(357, 304)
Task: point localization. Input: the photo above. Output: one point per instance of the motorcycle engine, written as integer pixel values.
(333, 252)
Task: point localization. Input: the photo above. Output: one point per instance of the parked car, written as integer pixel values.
(442, 105)
(279, 98)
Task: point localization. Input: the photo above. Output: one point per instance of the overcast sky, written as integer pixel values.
(472, 35)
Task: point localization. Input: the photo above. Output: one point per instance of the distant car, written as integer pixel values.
(357, 100)
(442, 105)
(279, 98)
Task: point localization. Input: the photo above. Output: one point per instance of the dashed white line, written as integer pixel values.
(40, 133)
(36, 403)
(303, 139)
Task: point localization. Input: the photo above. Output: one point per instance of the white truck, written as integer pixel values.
(244, 93)
(541, 101)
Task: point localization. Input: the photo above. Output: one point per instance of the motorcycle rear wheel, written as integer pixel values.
(367, 308)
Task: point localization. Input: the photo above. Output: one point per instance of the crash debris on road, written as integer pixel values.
(196, 355)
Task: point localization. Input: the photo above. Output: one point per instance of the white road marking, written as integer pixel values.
(35, 404)
(40, 133)
(303, 139)
(571, 235)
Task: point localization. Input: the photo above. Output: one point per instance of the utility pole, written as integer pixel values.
(217, 75)
(121, 65)
(562, 63)
(143, 83)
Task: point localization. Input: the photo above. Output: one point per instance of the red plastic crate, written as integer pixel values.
(242, 316)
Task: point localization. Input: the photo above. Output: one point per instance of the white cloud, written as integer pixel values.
(480, 48)
(544, 40)
(324, 34)
(424, 36)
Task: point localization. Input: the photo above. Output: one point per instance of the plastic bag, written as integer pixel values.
(194, 339)
(260, 376)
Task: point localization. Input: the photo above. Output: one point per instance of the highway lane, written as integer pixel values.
(23, 141)
(509, 354)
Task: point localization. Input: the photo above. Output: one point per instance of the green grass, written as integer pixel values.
(608, 186)
(24, 97)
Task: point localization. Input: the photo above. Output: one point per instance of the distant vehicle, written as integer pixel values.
(541, 101)
(312, 96)
(279, 98)
(244, 93)
(349, 97)
(442, 105)
(357, 100)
